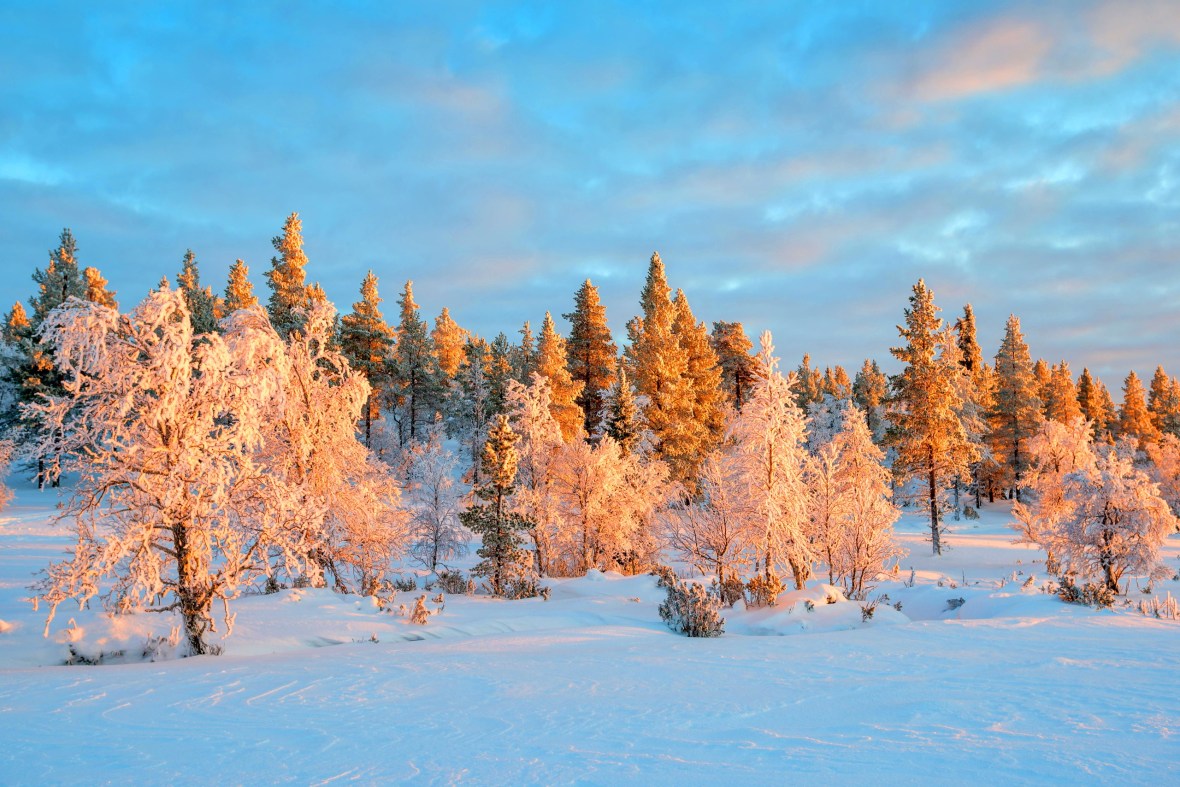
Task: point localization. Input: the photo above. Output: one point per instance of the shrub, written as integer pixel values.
(420, 614)
(406, 584)
(730, 590)
(1091, 594)
(451, 581)
(762, 591)
(665, 576)
(692, 610)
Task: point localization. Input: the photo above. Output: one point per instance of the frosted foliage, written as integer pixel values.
(434, 500)
(1165, 469)
(182, 497)
(717, 534)
(825, 419)
(1119, 521)
(770, 434)
(540, 450)
(1056, 451)
(6, 449)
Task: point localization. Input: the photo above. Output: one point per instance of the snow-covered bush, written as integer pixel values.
(763, 590)
(453, 582)
(1090, 594)
(433, 497)
(420, 615)
(692, 610)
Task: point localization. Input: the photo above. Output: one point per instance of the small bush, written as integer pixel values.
(969, 512)
(692, 610)
(420, 614)
(1091, 594)
(730, 591)
(665, 576)
(451, 581)
(762, 591)
(525, 587)
(406, 584)
(954, 603)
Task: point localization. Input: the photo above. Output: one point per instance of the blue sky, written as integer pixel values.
(798, 166)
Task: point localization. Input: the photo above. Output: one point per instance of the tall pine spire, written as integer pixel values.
(239, 292)
(591, 353)
(1016, 411)
(287, 278)
(366, 340)
(552, 354)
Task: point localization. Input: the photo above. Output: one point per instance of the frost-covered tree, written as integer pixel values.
(927, 432)
(524, 355)
(163, 434)
(1016, 411)
(539, 449)
(448, 339)
(1119, 521)
(622, 420)
(870, 390)
(469, 405)
(1164, 468)
(1134, 419)
(769, 436)
(1056, 451)
(434, 500)
(809, 383)
(837, 384)
(732, 347)
(506, 564)
(1163, 403)
(366, 340)
(287, 278)
(591, 353)
(416, 386)
(239, 292)
(1097, 407)
(97, 290)
(1061, 395)
(703, 376)
(714, 532)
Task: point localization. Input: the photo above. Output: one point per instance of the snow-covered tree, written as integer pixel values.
(927, 432)
(621, 420)
(1164, 468)
(1016, 411)
(714, 533)
(1134, 419)
(239, 292)
(539, 450)
(1056, 451)
(1163, 402)
(552, 358)
(1061, 395)
(162, 432)
(469, 406)
(769, 436)
(6, 450)
(448, 340)
(97, 290)
(1097, 407)
(201, 302)
(416, 386)
(287, 278)
(434, 500)
(1119, 521)
(366, 340)
(870, 389)
(732, 347)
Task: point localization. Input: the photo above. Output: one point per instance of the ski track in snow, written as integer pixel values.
(1011, 687)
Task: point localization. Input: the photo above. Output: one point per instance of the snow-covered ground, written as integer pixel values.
(1012, 686)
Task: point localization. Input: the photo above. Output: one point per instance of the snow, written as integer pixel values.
(1011, 686)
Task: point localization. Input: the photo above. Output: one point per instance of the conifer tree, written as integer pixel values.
(499, 373)
(469, 405)
(1043, 375)
(870, 390)
(552, 354)
(836, 383)
(524, 356)
(97, 290)
(1163, 403)
(737, 364)
(1061, 396)
(506, 564)
(415, 382)
(970, 354)
(809, 384)
(200, 301)
(591, 353)
(449, 340)
(1016, 411)
(60, 280)
(1094, 401)
(539, 449)
(1134, 419)
(622, 414)
(703, 377)
(660, 371)
(366, 340)
(239, 292)
(927, 433)
(287, 278)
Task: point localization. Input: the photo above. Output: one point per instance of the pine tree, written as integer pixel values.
(660, 371)
(506, 564)
(591, 353)
(703, 377)
(927, 433)
(239, 292)
(737, 364)
(836, 383)
(1134, 419)
(366, 340)
(200, 301)
(970, 354)
(416, 386)
(622, 414)
(769, 438)
(1163, 403)
(1016, 412)
(469, 405)
(1044, 376)
(552, 354)
(499, 373)
(809, 384)
(448, 339)
(1094, 401)
(524, 356)
(96, 288)
(59, 281)
(287, 279)
(1061, 396)
(870, 390)
(540, 447)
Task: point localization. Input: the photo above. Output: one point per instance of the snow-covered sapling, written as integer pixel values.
(692, 610)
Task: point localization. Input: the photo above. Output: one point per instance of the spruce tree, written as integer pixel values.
(552, 355)
(499, 373)
(97, 290)
(737, 364)
(870, 390)
(809, 384)
(1016, 412)
(524, 356)
(976, 392)
(60, 280)
(415, 385)
(239, 292)
(926, 432)
(970, 354)
(468, 404)
(1134, 419)
(1163, 403)
(200, 301)
(836, 383)
(591, 353)
(449, 340)
(1044, 376)
(1094, 401)
(622, 413)
(287, 279)
(505, 561)
(366, 340)
(1061, 396)
(702, 376)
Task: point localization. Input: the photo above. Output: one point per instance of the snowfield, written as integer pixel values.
(1011, 686)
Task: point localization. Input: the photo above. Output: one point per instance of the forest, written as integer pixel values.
(217, 441)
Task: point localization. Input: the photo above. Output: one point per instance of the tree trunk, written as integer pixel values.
(935, 536)
(191, 594)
